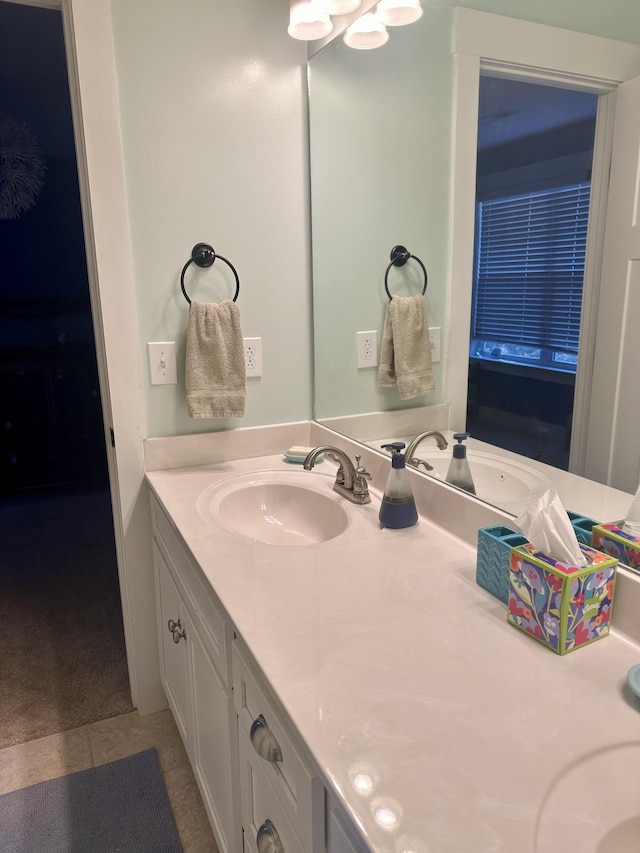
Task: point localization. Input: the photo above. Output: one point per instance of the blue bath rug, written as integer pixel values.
(120, 807)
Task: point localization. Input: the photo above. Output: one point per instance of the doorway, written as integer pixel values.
(533, 182)
(62, 615)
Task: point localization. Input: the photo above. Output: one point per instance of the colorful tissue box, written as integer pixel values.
(562, 606)
(494, 558)
(615, 542)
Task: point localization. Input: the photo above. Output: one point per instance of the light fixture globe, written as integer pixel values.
(307, 22)
(367, 33)
(397, 13)
(336, 7)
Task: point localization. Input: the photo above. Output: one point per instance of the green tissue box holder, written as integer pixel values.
(494, 554)
(582, 527)
(562, 606)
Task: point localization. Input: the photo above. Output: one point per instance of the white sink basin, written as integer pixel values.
(502, 482)
(594, 806)
(276, 507)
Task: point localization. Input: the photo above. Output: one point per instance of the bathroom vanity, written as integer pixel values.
(363, 693)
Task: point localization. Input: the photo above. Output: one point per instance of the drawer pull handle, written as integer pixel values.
(268, 839)
(177, 630)
(263, 740)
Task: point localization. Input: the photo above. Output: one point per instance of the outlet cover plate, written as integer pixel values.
(367, 348)
(252, 356)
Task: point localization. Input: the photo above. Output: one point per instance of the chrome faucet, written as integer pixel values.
(351, 481)
(441, 441)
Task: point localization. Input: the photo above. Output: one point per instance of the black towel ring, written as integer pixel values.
(399, 256)
(203, 255)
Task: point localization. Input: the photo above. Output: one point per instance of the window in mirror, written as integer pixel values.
(530, 257)
(535, 151)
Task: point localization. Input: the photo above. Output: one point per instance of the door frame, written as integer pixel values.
(487, 43)
(93, 88)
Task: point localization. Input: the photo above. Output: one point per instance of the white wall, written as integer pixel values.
(213, 111)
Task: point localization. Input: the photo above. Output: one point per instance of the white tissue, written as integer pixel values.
(546, 525)
(632, 521)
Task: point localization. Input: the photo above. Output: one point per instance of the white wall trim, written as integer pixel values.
(90, 59)
(524, 43)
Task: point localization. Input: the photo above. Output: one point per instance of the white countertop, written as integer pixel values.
(442, 728)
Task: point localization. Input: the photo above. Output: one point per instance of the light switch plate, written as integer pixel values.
(162, 362)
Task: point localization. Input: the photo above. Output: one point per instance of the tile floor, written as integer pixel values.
(98, 743)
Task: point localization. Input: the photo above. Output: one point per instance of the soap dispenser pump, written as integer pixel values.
(398, 508)
(459, 473)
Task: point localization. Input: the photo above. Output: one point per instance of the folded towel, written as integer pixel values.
(215, 370)
(405, 351)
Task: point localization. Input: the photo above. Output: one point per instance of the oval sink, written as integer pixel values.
(498, 481)
(593, 805)
(276, 507)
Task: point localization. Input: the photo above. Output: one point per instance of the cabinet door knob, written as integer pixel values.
(263, 741)
(268, 839)
(177, 630)
(179, 635)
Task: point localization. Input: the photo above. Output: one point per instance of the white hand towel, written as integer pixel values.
(215, 370)
(405, 351)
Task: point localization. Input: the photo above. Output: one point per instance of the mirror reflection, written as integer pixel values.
(515, 339)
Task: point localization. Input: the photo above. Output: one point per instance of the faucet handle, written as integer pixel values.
(361, 471)
(340, 472)
(416, 463)
(360, 487)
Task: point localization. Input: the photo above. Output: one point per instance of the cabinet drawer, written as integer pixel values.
(297, 788)
(216, 631)
(260, 807)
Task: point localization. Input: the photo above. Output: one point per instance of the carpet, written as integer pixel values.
(61, 615)
(120, 807)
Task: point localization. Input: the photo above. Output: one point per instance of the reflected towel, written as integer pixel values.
(405, 351)
(215, 372)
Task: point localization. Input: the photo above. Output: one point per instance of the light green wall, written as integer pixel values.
(381, 137)
(213, 109)
(380, 155)
(614, 19)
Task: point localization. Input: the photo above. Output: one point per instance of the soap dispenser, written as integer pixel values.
(459, 473)
(398, 508)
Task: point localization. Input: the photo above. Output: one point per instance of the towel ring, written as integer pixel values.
(203, 255)
(399, 256)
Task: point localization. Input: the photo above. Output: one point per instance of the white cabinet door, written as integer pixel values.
(339, 838)
(215, 744)
(173, 646)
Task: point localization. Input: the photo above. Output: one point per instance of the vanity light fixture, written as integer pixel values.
(366, 33)
(336, 7)
(396, 13)
(307, 21)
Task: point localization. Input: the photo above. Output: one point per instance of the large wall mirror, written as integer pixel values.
(445, 140)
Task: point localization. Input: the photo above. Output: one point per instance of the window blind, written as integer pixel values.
(530, 255)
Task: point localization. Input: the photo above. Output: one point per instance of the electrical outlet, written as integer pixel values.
(367, 348)
(162, 362)
(253, 356)
(434, 335)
